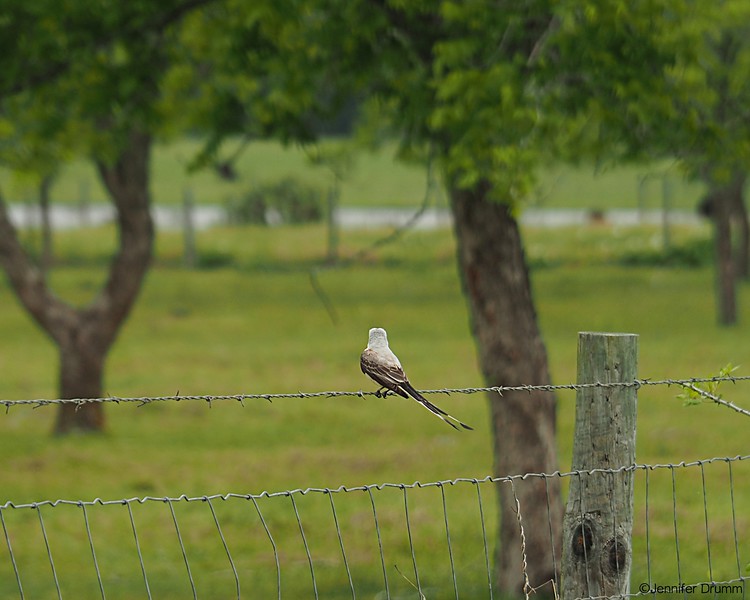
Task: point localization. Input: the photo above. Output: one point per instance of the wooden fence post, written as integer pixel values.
(84, 203)
(189, 253)
(598, 521)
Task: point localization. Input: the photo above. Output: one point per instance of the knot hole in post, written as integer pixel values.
(582, 543)
(616, 553)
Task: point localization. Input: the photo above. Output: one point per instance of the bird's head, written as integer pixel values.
(378, 338)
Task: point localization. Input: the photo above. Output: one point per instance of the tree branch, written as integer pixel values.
(538, 48)
(28, 281)
(127, 183)
(430, 190)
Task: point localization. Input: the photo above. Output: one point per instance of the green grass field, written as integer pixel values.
(255, 325)
(377, 179)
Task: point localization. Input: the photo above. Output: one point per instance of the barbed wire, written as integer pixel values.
(716, 398)
(501, 389)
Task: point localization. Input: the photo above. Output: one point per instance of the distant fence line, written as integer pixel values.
(204, 216)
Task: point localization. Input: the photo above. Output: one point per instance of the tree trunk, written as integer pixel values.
(742, 251)
(85, 335)
(81, 376)
(511, 352)
(88, 339)
(725, 200)
(725, 277)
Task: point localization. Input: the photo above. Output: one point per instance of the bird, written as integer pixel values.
(381, 365)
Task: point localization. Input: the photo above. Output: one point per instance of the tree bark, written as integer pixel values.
(84, 335)
(742, 251)
(511, 352)
(725, 200)
(725, 277)
(81, 376)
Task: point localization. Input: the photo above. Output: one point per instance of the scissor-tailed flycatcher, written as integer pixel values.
(380, 364)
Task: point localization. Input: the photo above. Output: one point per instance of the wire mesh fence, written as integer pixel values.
(385, 540)
(432, 539)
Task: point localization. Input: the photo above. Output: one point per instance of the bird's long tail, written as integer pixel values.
(435, 410)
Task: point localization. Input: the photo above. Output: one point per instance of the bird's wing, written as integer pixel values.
(387, 373)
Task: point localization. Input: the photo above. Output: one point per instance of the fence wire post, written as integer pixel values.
(189, 256)
(598, 521)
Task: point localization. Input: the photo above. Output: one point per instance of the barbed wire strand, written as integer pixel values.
(717, 399)
(210, 398)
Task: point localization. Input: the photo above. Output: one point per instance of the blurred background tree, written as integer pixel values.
(84, 79)
(695, 111)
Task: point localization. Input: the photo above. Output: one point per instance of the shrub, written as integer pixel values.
(293, 201)
(692, 254)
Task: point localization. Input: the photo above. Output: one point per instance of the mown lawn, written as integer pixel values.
(253, 324)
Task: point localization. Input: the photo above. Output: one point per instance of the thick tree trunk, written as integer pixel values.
(88, 338)
(511, 352)
(81, 376)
